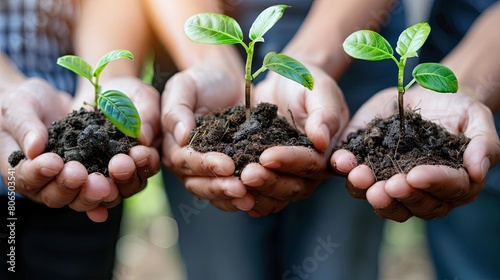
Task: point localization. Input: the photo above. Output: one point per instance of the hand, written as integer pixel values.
(189, 94)
(128, 174)
(292, 173)
(426, 191)
(27, 109)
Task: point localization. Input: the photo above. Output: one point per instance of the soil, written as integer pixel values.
(424, 143)
(85, 136)
(228, 132)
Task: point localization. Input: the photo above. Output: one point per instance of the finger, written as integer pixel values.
(442, 182)
(24, 124)
(342, 162)
(146, 159)
(245, 203)
(300, 161)
(93, 192)
(33, 175)
(114, 198)
(265, 205)
(361, 177)
(482, 153)
(276, 185)
(147, 99)
(98, 214)
(384, 205)
(327, 113)
(187, 162)
(359, 180)
(420, 204)
(65, 187)
(212, 188)
(178, 108)
(122, 171)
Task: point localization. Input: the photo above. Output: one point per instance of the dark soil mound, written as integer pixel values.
(425, 143)
(87, 137)
(227, 132)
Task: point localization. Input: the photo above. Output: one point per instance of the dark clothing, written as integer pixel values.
(465, 243)
(49, 243)
(57, 244)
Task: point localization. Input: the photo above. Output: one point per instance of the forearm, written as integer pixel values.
(329, 22)
(106, 25)
(168, 18)
(9, 75)
(476, 60)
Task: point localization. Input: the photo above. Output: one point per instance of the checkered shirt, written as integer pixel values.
(34, 33)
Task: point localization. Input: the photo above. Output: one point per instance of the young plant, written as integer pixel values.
(369, 45)
(114, 104)
(212, 28)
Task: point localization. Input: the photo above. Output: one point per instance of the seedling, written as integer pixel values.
(369, 45)
(212, 28)
(114, 104)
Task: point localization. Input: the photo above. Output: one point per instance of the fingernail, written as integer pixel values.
(254, 182)
(485, 166)
(242, 207)
(325, 134)
(29, 139)
(272, 164)
(47, 172)
(146, 134)
(179, 133)
(231, 194)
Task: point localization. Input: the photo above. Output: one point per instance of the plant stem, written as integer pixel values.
(401, 92)
(248, 105)
(96, 91)
(248, 79)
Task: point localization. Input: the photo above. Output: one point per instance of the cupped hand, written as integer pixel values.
(190, 94)
(291, 173)
(128, 173)
(426, 191)
(26, 111)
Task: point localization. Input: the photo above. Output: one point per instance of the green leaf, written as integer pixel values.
(120, 110)
(110, 56)
(289, 68)
(436, 77)
(265, 21)
(412, 39)
(211, 28)
(77, 65)
(367, 45)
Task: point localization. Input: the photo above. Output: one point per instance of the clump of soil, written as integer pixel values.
(425, 143)
(85, 136)
(227, 132)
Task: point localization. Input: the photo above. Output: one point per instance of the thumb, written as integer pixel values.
(178, 105)
(27, 129)
(483, 151)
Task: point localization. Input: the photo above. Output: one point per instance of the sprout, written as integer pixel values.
(369, 45)
(114, 104)
(212, 28)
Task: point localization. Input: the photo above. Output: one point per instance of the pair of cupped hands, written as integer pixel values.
(283, 174)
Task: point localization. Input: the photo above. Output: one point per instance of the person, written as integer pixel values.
(279, 236)
(54, 239)
(321, 237)
(464, 38)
